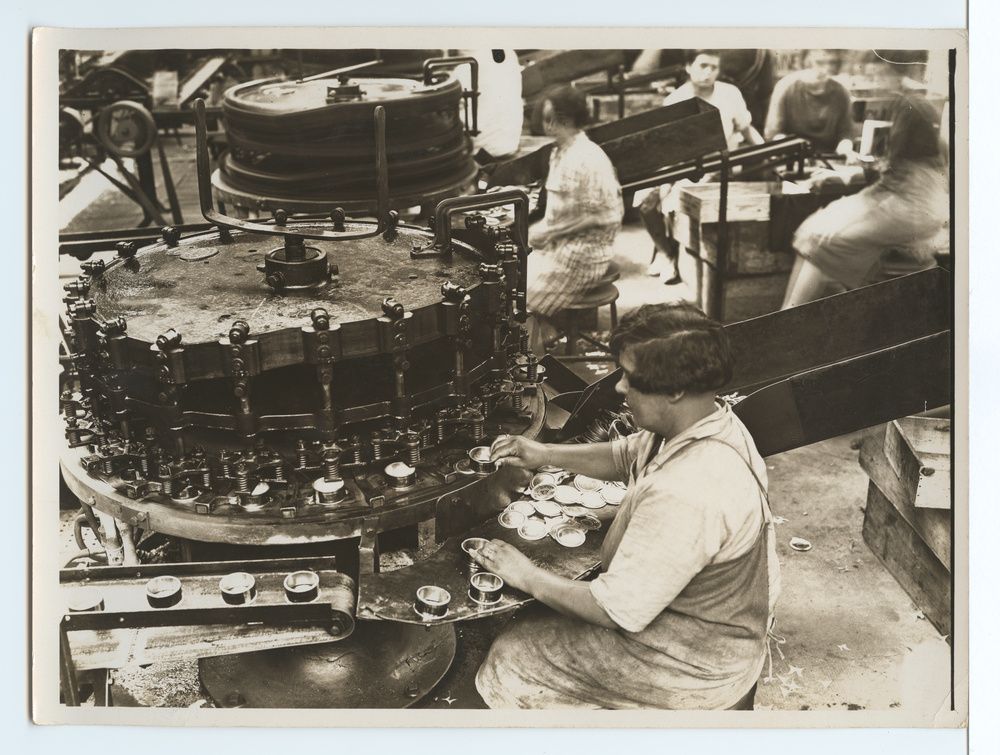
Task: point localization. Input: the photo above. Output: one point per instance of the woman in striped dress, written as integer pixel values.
(573, 243)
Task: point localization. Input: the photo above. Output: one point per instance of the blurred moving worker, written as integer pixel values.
(888, 228)
(679, 614)
(501, 111)
(659, 206)
(812, 105)
(573, 243)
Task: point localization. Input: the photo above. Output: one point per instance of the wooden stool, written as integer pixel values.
(604, 293)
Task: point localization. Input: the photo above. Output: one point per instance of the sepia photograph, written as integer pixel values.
(428, 384)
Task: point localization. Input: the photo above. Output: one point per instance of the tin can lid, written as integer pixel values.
(542, 478)
(612, 494)
(533, 529)
(511, 519)
(592, 500)
(525, 507)
(585, 484)
(568, 535)
(543, 492)
(567, 494)
(548, 508)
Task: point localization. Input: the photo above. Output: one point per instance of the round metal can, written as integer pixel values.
(485, 588)
(163, 591)
(400, 474)
(473, 544)
(85, 599)
(592, 500)
(302, 586)
(432, 601)
(479, 457)
(238, 588)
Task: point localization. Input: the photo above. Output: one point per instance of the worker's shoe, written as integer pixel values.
(658, 266)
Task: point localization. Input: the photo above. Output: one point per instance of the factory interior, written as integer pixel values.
(306, 294)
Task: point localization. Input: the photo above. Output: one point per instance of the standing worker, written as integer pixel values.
(678, 616)
(573, 244)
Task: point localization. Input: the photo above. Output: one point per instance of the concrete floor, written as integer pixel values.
(852, 639)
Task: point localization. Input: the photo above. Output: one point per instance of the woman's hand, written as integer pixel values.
(507, 562)
(518, 451)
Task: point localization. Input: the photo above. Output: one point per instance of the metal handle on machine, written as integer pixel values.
(442, 231)
(433, 64)
(448, 207)
(275, 229)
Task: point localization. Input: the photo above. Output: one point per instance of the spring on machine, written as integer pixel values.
(355, 451)
(167, 484)
(376, 447)
(412, 449)
(478, 428)
(279, 472)
(242, 479)
(517, 399)
(331, 465)
(206, 480)
(301, 454)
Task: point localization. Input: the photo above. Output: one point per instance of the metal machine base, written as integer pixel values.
(383, 665)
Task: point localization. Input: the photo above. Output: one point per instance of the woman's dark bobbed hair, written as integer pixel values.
(675, 348)
(568, 103)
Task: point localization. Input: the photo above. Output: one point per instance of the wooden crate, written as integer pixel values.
(919, 451)
(907, 557)
(933, 525)
(749, 245)
(743, 297)
(748, 200)
(914, 543)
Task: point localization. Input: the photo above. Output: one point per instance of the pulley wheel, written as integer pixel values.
(382, 665)
(125, 129)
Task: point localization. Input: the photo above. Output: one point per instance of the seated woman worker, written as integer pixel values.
(678, 616)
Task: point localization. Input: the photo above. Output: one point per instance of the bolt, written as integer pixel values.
(170, 235)
(127, 249)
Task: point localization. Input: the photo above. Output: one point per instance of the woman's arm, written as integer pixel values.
(567, 596)
(591, 459)
(751, 136)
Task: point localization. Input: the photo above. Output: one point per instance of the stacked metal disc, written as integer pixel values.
(309, 145)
